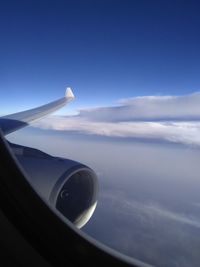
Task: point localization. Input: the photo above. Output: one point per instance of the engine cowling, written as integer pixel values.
(67, 185)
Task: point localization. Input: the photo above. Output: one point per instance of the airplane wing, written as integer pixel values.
(41, 197)
(13, 122)
(68, 186)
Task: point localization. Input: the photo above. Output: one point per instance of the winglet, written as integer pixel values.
(69, 93)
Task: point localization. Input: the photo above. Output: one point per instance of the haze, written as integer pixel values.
(148, 205)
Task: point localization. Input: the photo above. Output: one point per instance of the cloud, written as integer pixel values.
(164, 118)
(148, 230)
(155, 209)
(151, 209)
(148, 108)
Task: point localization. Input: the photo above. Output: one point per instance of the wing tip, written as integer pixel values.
(69, 93)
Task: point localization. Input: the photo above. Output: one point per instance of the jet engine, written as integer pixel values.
(67, 185)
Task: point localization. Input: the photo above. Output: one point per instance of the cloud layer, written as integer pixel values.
(164, 118)
(151, 108)
(147, 230)
(153, 209)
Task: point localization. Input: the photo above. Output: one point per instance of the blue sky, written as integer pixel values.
(105, 50)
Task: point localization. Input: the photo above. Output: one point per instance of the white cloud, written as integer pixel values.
(156, 209)
(148, 108)
(165, 118)
(151, 209)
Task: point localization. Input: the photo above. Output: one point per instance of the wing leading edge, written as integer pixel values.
(14, 122)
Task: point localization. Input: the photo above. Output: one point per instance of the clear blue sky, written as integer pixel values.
(105, 50)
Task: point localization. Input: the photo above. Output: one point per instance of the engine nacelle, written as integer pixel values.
(67, 185)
